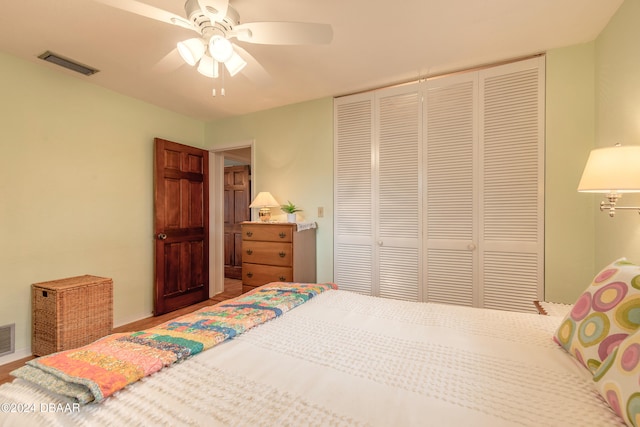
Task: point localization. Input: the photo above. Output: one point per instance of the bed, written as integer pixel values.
(345, 359)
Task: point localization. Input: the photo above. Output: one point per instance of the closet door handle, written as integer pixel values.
(471, 247)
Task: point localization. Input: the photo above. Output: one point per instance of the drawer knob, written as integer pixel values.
(282, 254)
(282, 234)
(282, 278)
(249, 233)
(249, 251)
(249, 275)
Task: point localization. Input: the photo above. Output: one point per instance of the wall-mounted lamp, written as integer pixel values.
(612, 171)
(264, 200)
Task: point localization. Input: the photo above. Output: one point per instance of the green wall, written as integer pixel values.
(618, 120)
(76, 188)
(293, 152)
(569, 215)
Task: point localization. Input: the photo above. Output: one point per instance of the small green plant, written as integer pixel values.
(290, 208)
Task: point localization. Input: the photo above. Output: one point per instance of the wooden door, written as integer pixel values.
(181, 226)
(236, 210)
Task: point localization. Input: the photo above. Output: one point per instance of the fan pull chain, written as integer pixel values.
(222, 91)
(213, 73)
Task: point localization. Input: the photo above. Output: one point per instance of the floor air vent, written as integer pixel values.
(54, 58)
(7, 339)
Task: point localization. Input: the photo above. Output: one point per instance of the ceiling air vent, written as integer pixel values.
(67, 63)
(7, 339)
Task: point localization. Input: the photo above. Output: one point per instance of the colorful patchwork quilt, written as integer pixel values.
(96, 371)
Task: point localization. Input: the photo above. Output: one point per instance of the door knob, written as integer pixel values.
(471, 247)
(162, 236)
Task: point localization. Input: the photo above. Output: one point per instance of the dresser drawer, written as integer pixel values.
(258, 274)
(280, 254)
(271, 232)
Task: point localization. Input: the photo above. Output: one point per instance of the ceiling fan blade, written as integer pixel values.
(253, 71)
(215, 10)
(148, 11)
(170, 62)
(284, 33)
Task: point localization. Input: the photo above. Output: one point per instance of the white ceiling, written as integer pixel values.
(376, 43)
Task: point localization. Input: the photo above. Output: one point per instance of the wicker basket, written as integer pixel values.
(70, 313)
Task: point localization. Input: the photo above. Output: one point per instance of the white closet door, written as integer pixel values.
(353, 192)
(397, 151)
(450, 143)
(512, 185)
(377, 193)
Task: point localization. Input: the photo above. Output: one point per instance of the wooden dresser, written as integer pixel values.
(277, 252)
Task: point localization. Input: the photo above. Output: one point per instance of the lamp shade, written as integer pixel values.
(235, 64)
(612, 170)
(264, 199)
(220, 48)
(191, 50)
(208, 67)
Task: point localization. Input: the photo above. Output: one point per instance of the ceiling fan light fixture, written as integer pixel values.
(235, 64)
(208, 67)
(220, 48)
(191, 50)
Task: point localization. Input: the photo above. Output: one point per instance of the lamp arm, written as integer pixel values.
(611, 204)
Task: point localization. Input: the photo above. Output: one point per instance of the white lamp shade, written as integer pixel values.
(191, 50)
(264, 199)
(208, 67)
(612, 170)
(235, 64)
(220, 48)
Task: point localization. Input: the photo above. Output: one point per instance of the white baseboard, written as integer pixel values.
(131, 319)
(16, 355)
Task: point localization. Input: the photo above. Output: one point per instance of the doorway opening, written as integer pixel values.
(230, 188)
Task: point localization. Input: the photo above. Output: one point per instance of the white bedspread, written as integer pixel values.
(344, 359)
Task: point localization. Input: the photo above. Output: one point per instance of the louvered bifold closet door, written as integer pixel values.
(450, 144)
(397, 151)
(353, 188)
(512, 185)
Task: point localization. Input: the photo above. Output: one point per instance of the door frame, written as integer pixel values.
(216, 209)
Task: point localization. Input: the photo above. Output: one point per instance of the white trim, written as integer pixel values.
(16, 355)
(216, 210)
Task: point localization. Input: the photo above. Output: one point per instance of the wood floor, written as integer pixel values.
(232, 288)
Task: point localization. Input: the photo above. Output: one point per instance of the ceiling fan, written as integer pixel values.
(217, 24)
